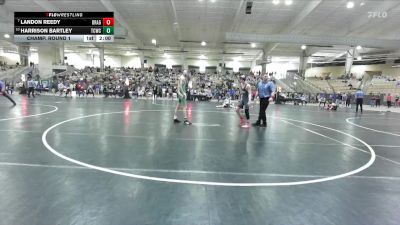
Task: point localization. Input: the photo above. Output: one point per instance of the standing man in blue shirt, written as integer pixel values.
(265, 91)
(31, 87)
(359, 99)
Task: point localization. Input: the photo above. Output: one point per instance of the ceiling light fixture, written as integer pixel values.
(275, 2)
(130, 53)
(6, 35)
(212, 1)
(359, 58)
(253, 45)
(153, 41)
(362, 3)
(303, 47)
(203, 43)
(237, 58)
(350, 5)
(358, 47)
(202, 57)
(288, 2)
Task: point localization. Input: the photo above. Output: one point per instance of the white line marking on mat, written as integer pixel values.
(180, 181)
(367, 128)
(359, 149)
(195, 139)
(39, 114)
(387, 146)
(189, 171)
(206, 124)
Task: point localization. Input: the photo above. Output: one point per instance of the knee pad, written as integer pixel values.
(246, 111)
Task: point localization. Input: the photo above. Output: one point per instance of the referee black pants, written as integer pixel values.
(359, 102)
(262, 117)
(31, 90)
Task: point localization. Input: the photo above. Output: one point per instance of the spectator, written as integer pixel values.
(389, 100)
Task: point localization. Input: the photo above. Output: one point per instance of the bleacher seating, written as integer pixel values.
(298, 85)
(322, 84)
(344, 86)
(383, 85)
(15, 73)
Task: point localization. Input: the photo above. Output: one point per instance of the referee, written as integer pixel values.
(265, 91)
(359, 99)
(31, 87)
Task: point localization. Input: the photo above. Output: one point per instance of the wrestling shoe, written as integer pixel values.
(242, 122)
(246, 125)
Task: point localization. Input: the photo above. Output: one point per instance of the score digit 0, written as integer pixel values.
(108, 30)
(108, 22)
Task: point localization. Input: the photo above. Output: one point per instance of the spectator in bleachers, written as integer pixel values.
(89, 91)
(155, 92)
(344, 99)
(9, 88)
(378, 100)
(348, 100)
(389, 100)
(303, 100)
(372, 100)
(79, 88)
(67, 88)
(60, 88)
(338, 99)
(322, 99)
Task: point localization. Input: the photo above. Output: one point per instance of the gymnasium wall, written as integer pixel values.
(113, 60)
(357, 70)
(335, 71)
(9, 58)
(81, 60)
(33, 57)
(131, 61)
(202, 64)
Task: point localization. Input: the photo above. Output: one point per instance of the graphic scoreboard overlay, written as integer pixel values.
(63, 26)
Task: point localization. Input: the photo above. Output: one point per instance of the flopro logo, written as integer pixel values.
(377, 14)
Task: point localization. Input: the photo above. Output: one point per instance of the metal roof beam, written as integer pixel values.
(117, 16)
(386, 6)
(292, 24)
(300, 17)
(48, 6)
(313, 40)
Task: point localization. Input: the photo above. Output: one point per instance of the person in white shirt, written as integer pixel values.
(60, 88)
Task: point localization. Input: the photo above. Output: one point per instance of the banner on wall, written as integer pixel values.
(45, 83)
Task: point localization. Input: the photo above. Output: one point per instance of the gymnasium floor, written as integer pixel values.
(110, 161)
